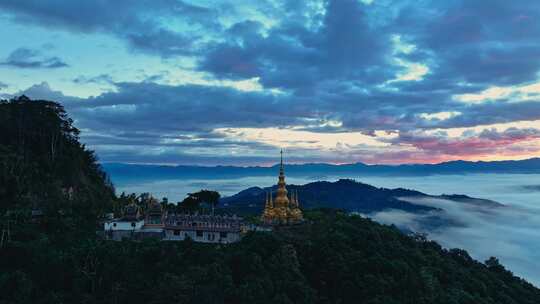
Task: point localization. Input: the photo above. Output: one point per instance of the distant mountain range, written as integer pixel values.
(319, 171)
(348, 195)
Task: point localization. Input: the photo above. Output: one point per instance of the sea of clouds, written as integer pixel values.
(511, 232)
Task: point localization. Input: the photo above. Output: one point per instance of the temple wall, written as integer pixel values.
(202, 236)
(123, 225)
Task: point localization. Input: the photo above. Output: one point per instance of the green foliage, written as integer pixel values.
(142, 200)
(195, 201)
(43, 166)
(334, 258)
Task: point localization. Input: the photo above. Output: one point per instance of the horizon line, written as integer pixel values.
(311, 163)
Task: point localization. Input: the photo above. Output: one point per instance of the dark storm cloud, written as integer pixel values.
(463, 41)
(32, 59)
(292, 56)
(147, 115)
(146, 122)
(188, 140)
(201, 107)
(150, 106)
(181, 157)
(170, 148)
(474, 41)
(335, 63)
(134, 21)
(493, 112)
(186, 107)
(101, 79)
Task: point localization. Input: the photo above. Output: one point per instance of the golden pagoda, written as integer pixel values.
(282, 210)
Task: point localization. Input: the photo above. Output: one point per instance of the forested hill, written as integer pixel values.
(344, 194)
(334, 258)
(44, 167)
(331, 258)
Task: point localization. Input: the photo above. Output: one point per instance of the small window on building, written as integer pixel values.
(223, 235)
(194, 224)
(114, 224)
(199, 233)
(176, 232)
(186, 235)
(133, 224)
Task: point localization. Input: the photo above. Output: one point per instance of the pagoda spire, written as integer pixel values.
(268, 201)
(281, 170)
(283, 209)
(282, 200)
(293, 198)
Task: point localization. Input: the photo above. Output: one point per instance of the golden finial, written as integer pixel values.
(281, 162)
(283, 210)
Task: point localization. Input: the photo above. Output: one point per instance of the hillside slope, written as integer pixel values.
(44, 167)
(345, 194)
(333, 258)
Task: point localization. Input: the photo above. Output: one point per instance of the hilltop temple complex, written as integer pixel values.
(282, 210)
(156, 222)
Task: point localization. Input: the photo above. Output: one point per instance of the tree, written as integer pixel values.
(194, 200)
(44, 166)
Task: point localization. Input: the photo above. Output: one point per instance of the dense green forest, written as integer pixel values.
(332, 258)
(44, 167)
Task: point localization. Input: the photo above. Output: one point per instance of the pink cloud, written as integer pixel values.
(511, 143)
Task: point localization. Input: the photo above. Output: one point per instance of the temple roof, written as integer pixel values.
(282, 210)
(131, 212)
(204, 218)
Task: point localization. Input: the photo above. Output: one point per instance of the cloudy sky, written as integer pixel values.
(232, 81)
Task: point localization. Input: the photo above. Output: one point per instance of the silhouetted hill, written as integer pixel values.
(345, 194)
(332, 258)
(43, 165)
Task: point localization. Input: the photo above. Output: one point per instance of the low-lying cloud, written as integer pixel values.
(509, 233)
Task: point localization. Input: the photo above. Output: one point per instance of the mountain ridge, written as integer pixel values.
(148, 171)
(349, 195)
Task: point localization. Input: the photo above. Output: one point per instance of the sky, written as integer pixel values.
(231, 82)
